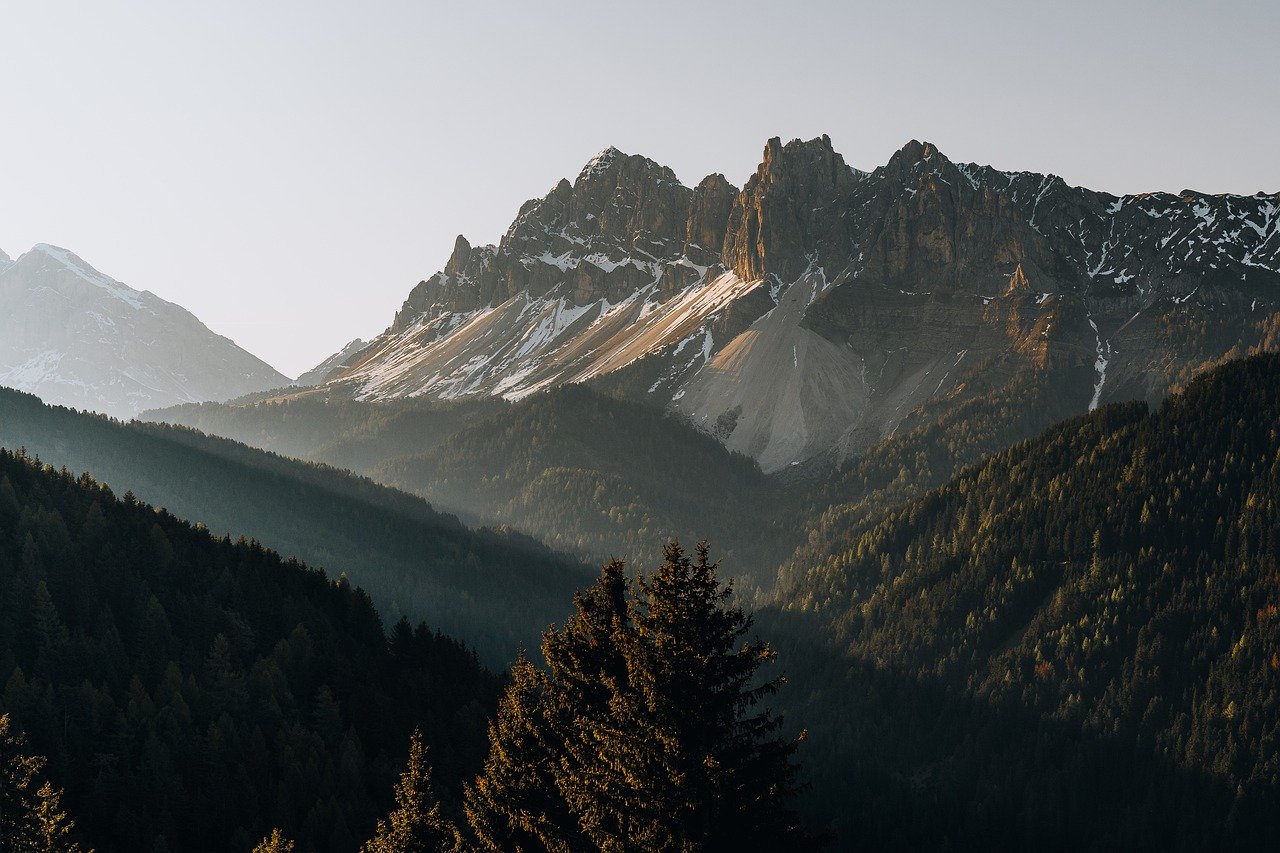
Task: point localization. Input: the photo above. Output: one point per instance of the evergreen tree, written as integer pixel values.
(645, 732)
(415, 825)
(714, 773)
(31, 818)
(514, 804)
(275, 843)
(52, 827)
(587, 666)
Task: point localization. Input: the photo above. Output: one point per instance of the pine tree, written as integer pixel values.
(415, 825)
(646, 732)
(717, 774)
(52, 827)
(31, 819)
(18, 772)
(274, 843)
(588, 667)
(514, 804)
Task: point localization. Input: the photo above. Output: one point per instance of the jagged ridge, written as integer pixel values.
(819, 308)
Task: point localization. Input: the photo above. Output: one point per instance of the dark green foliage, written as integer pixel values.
(195, 691)
(646, 732)
(1073, 643)
(412, 560)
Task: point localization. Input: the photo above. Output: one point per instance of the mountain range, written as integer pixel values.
(993, 458)
(77, 337)
(819, 309)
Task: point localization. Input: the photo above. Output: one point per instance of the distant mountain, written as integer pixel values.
(334, 363)
(820, 310)
(77, 337)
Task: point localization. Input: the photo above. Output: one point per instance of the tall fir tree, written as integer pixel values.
(276, 842)
(415, 825)
(646, 732)
(31, 816)
(514, 804)
(715, 758)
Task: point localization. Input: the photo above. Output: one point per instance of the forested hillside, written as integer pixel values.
(582, 471)
(413, 560)
(191, 692)
(1072, 643)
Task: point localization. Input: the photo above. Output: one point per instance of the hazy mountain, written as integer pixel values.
(815, 310)
(77, 337)
(412, 560)
(334, 363)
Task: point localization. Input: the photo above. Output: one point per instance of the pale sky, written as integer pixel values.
(288, 170)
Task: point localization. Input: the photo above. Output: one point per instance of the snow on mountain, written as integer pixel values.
(821, 309)
(77, 337)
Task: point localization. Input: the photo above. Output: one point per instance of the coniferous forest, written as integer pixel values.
(1070, 643)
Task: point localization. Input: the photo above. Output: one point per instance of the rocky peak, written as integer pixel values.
(458, 260)
(788, 214)
(5, 261)
(618, 203)
(709, 210)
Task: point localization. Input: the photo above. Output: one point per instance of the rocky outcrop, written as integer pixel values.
(790, 213)
(713, 200)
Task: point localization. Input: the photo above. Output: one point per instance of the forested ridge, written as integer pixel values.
(600, 477)
(413, 560)
(1073, 642)
(190, 692)
(582, 471)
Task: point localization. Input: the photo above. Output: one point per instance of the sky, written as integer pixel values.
(289, 170)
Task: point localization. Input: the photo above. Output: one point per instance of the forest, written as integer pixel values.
(1069, 643)
(413, 561)
(194, 693)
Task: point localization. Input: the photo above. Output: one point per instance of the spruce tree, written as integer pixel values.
(716, 765)
(515, 804)
(588, 674)
(647, 731)
(276, 842)
(415, 825)
(31, 817)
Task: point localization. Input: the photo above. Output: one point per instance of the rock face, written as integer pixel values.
(76, 337)
(823, 309)
(791, 213)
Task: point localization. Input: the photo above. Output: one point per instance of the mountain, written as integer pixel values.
(1072, 644)
(819, 310)
(191, 692)
(338, 361)
(79, 338)
(412, 560)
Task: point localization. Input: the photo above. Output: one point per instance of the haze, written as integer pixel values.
(288, 171)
